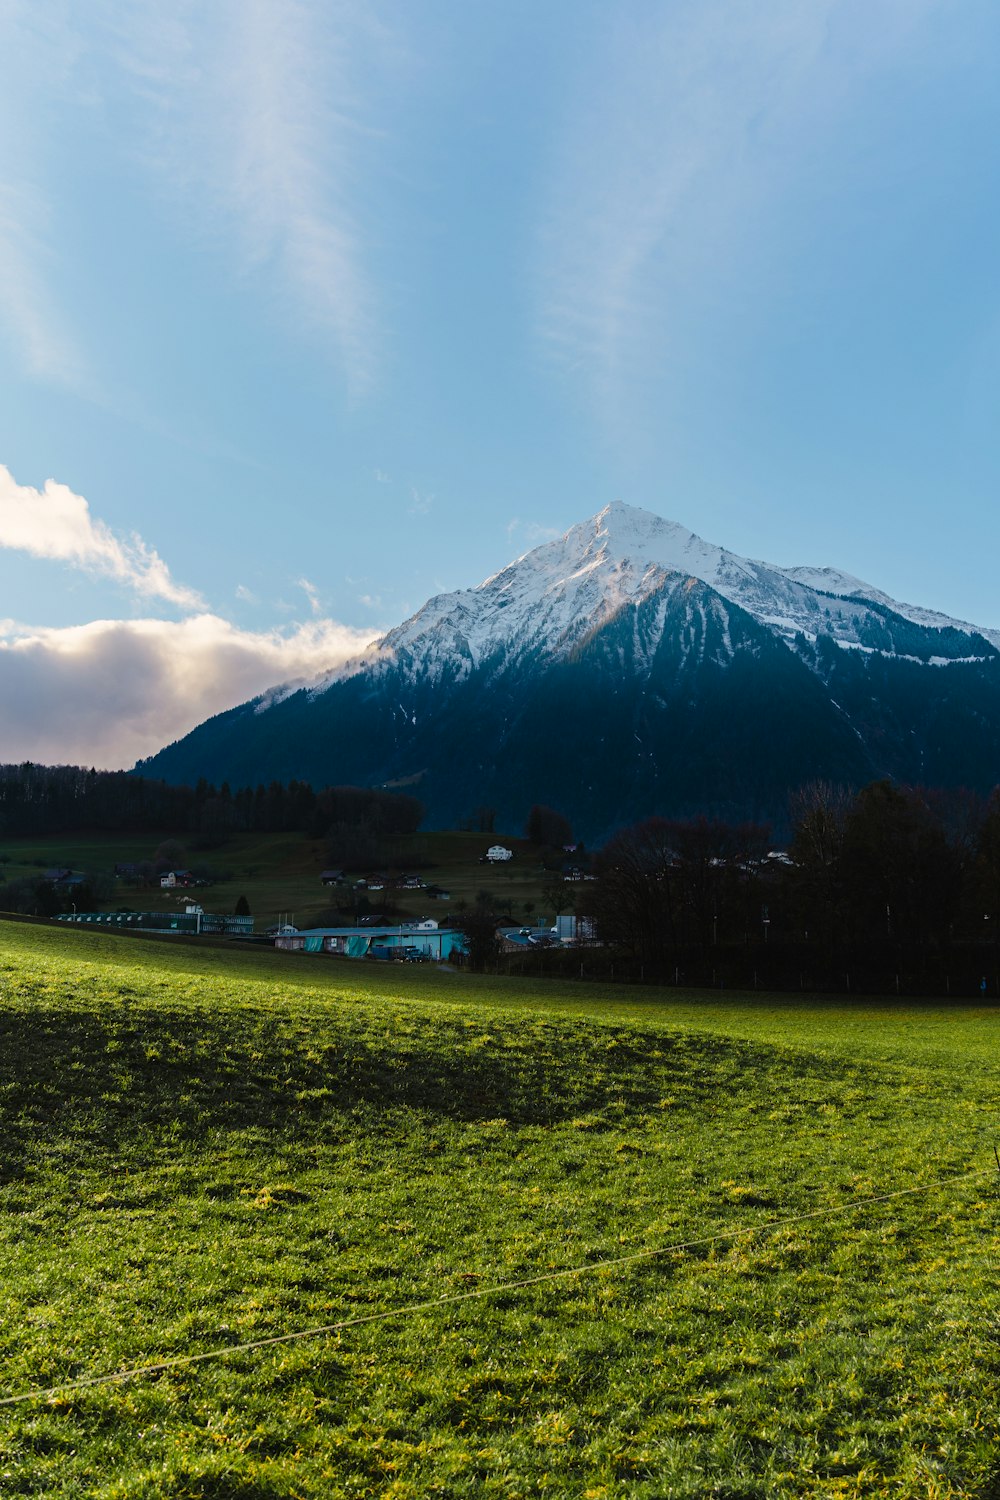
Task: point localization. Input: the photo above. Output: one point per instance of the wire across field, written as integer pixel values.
(538, 1230)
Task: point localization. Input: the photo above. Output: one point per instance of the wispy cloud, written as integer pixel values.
(260, 120)
(312, 594)
(36, 326)
(420, 503)
(112, 691)
(55, 523)
(684, 122)
(28, 309)
(530, 531)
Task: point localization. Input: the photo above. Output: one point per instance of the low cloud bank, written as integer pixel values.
(109, 692)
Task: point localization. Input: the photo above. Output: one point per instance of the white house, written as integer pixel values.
(497, 854)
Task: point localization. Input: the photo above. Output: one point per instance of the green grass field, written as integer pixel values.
(202, 1148)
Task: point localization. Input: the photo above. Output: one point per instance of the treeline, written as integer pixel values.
(38, 800)
(890, 888)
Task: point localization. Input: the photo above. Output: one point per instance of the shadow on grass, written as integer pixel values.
(114, 1078)
(190, 1485)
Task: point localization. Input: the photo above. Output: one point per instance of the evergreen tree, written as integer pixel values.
(547, 828)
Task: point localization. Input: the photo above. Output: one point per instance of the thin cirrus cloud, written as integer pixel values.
(57, 524)
(253, 115)
(683, 127)
(112, 691)
(31, 317)
(250, 116)
(28, 311)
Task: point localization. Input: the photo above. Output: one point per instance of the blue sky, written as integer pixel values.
(311, 310)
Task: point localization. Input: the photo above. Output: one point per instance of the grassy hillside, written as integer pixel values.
(279, 872)
(203, 1148)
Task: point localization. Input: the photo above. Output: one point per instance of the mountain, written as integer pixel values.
(626, 668)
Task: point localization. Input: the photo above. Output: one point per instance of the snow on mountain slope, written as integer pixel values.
(551, 597)
(844, 586)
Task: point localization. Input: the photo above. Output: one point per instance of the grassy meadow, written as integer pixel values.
(279, 873)
(201, 1148)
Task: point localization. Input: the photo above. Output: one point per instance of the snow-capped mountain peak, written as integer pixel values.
(628, 668)
(548, 599)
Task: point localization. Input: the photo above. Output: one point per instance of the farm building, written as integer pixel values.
(425, 939)
(193, 921)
